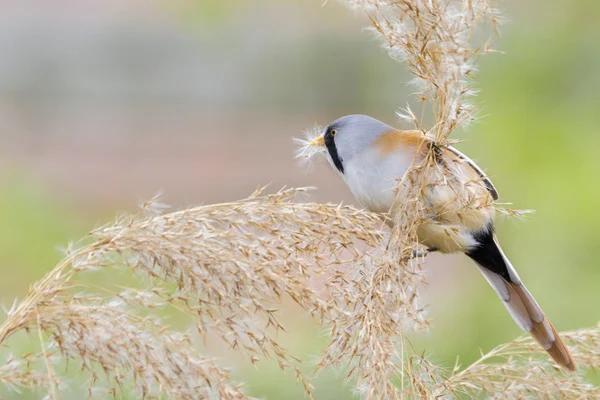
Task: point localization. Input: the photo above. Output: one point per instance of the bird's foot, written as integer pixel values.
(422, 253)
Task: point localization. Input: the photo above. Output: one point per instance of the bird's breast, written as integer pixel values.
(373, 177)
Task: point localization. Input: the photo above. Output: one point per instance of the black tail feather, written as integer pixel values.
(488, 254)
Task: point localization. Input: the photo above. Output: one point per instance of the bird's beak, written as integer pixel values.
(318, 142)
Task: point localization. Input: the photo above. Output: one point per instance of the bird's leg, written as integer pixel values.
(422, 253)
(416, 253)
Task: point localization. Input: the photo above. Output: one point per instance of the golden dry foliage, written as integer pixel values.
(521, 370)
(226, 267)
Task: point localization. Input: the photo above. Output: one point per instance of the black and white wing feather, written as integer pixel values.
(488, 182)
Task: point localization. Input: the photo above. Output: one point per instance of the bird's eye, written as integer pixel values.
(333, 132)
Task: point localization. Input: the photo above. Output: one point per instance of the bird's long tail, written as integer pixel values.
(520, 303)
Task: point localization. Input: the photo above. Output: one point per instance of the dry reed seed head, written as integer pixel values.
(433, 38)
(518, 215)
(226, 265)
(521, 370)
(368, 334)
(25, 372)
(249, 255)
(314, 229)
(369, 301)
(130, 349)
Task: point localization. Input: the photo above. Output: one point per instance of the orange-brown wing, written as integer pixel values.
(488, 183)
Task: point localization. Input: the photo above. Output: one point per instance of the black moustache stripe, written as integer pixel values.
(330, 143)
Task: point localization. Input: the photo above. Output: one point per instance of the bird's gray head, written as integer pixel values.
(348, 136)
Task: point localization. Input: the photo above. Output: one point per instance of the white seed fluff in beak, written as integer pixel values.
(310, 145)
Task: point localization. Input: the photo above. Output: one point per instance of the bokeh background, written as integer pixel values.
(105, 103)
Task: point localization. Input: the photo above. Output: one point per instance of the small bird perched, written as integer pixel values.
(372, 157)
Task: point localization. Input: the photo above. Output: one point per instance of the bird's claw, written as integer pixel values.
(421, 253)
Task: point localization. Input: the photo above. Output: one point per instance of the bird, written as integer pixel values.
(371, 157)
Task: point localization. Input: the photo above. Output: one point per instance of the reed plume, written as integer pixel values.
(226, 266)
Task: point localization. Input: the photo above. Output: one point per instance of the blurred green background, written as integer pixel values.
(105, 103)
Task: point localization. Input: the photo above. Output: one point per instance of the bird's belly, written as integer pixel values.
(445, 238)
